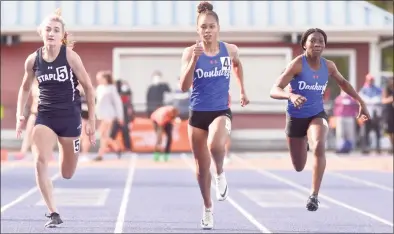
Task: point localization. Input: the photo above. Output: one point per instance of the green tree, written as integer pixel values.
(387, 5)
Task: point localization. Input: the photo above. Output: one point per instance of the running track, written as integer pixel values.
(136, 195)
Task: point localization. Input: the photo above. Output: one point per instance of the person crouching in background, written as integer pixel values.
(163, 119)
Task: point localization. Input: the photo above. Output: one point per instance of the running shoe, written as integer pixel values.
(207, 219)
(312, 203)
(221, 187)
(54, 220)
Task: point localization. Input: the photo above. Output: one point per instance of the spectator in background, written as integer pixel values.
(125, 94)
(345, 111)
(388, 110)
(372, 96)
(108, 108)
(155, 94)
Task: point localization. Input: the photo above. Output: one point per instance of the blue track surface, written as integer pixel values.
(167, 199)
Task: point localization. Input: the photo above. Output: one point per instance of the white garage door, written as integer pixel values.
(260, 73)
(262, 67)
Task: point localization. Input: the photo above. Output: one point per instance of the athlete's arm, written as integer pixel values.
(83, 77)
(278, 89)
(24, 90)
(187, 69)
(237, 66)
(342, 82)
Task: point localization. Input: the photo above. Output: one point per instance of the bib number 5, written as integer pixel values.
(77, 145)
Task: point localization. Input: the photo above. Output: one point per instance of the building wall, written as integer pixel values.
(98, 56)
